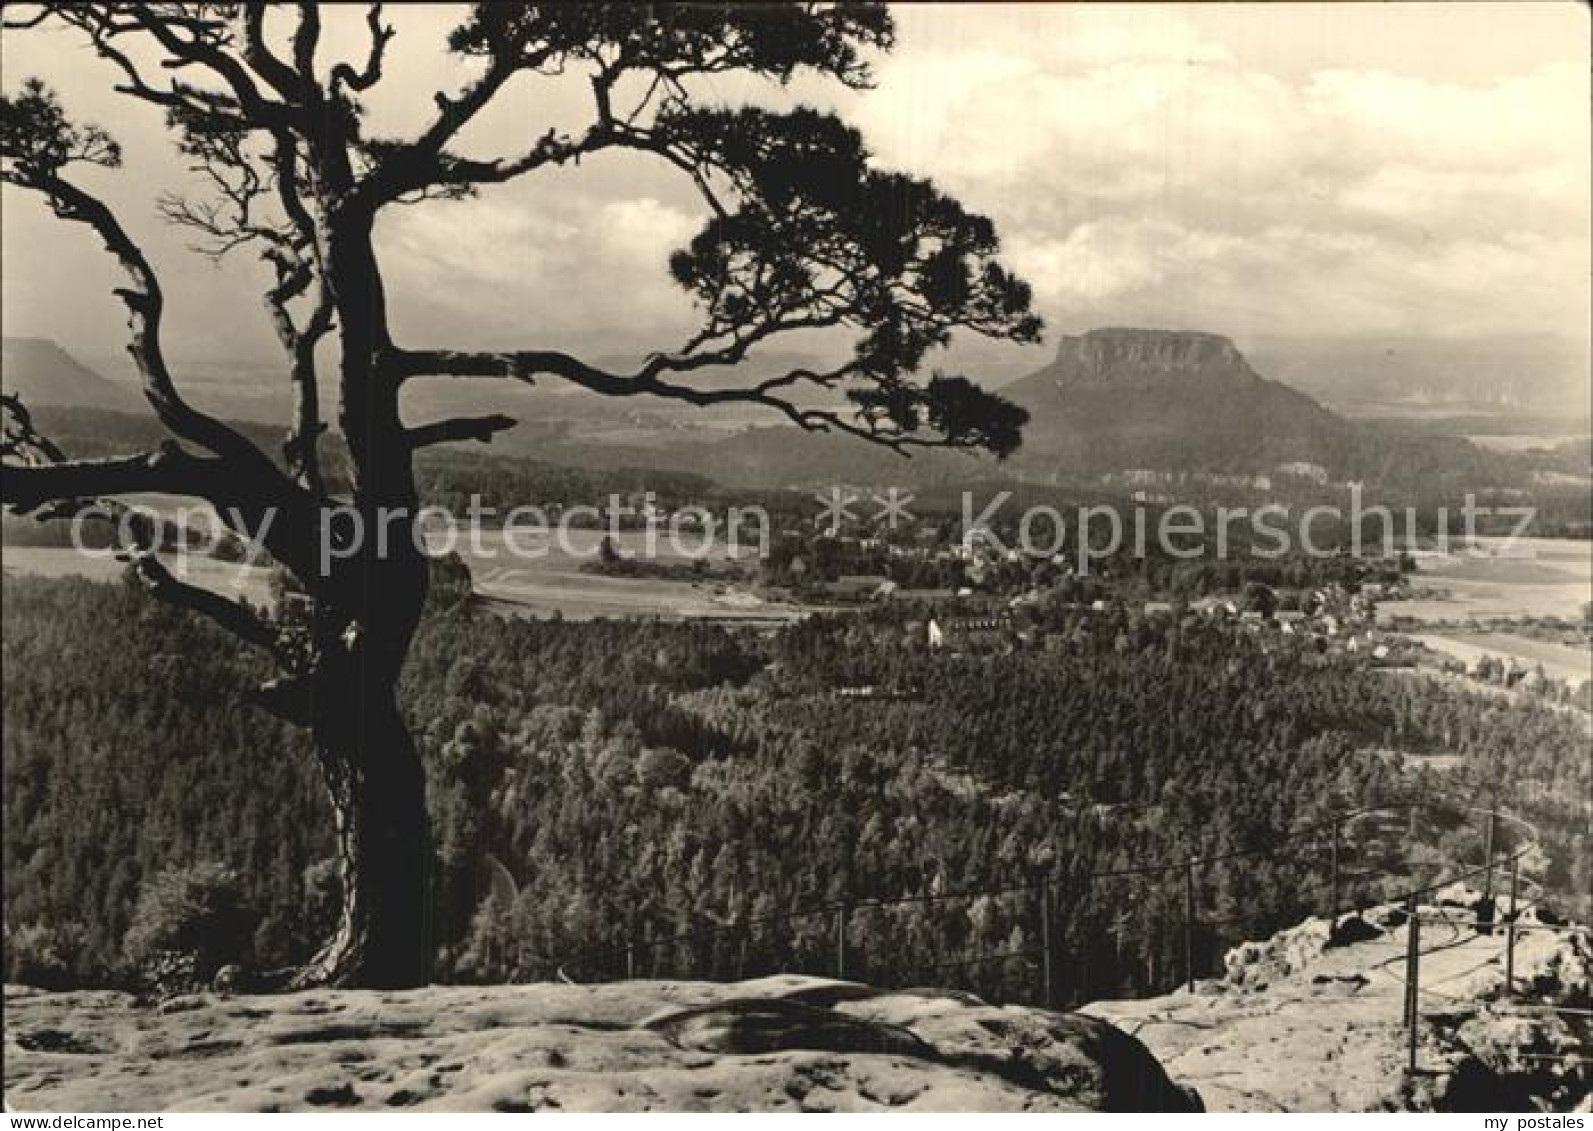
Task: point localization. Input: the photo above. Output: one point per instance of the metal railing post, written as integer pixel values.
(1080, 990)
(840, 941)
(1410, 939)
(1510, 927)
(1189, 926)
(1487, 852)
(630, 960)
(1412, 976)
(1333, 907)
(1047, 965)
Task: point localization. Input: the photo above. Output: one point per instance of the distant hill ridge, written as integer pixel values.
(43, 373)
(1113, 400)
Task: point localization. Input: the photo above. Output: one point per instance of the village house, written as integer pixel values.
(1300, 469)
(1215, 607)
(1290, 621)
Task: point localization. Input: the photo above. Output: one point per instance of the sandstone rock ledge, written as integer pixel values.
(1310, 1019)
(783, 1043)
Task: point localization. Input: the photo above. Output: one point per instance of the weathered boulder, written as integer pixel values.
(1554, 967)
(1294, 950)
(1478, 904)
(1311, 1019)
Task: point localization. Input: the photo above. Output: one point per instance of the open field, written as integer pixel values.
(1524, 442)
(535, 575)
(251, 582)
(542, 574)
(1558, 661)
(1530, 577)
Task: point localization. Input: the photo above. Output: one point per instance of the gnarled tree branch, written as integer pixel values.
(479, 428)
(344, 75)
(286, 81)
(234, 616)
(168, 470)
(49, 485)
(991, 431)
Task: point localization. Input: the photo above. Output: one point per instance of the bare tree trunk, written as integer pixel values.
(376, 784)
(372, 769)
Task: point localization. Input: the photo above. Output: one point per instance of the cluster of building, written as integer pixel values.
(1144, 480)
(1333, 627)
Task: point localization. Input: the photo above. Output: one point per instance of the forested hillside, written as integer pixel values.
(609, 780)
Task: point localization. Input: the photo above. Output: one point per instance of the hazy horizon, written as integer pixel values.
(1361, 172)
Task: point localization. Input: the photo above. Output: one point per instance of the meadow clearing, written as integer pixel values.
(536, 575)
(1469, 596)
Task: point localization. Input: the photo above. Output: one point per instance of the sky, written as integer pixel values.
(1316, 170)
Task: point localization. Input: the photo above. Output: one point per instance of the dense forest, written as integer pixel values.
(654, 798)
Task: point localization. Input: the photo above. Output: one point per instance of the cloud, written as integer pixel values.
(505, 269)
(1344, 170)
(1141, 164)
(1293, 279)
(643, 229)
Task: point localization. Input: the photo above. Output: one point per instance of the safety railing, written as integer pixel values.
(1485, 922)
(676, 955)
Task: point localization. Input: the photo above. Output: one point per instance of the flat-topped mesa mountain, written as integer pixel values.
(1123, 398)
(1125, 355)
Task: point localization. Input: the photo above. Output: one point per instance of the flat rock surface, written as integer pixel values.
(784, 1043)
